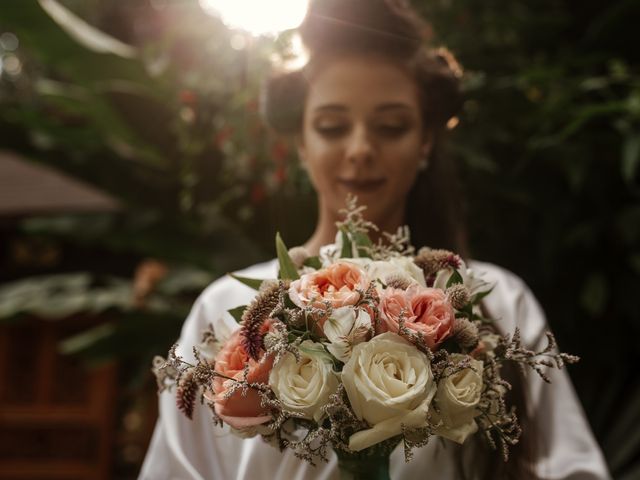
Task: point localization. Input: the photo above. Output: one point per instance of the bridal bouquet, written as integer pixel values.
(361, 348)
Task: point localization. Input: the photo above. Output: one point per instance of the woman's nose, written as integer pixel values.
(360, 149)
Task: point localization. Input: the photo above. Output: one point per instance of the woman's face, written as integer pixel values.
(363, 134)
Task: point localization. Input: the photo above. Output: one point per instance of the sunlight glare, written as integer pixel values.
(258, 16)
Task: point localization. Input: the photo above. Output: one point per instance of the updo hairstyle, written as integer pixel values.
(388, 28)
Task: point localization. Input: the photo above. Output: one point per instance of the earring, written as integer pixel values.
(423, 164)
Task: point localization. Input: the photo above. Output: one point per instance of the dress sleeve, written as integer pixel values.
(183, 449)
(566, 446)
(177, 448)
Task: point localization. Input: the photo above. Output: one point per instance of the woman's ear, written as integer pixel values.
(427, 144)
(425, 151)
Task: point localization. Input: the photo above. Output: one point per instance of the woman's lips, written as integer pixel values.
(362, 186)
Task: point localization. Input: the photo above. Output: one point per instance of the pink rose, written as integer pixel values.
(393, 303)
(239, 411)
(338, 284)
(426, 311)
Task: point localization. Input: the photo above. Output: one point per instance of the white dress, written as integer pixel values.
(183, 449)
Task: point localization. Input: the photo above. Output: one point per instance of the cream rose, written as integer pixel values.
(346, 327)
(394, 268)
(457, 397)
(389, 384)
(304, 386)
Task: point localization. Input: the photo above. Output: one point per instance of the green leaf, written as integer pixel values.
(347, 247)
(237, 312)
(59, 296)
(83, 33)
(184, 280)
(288, 269)
(454, 278)
(86, 339)
(589, 112)
(53, 45)
(313, 262)
(361, 240)
(249, 282)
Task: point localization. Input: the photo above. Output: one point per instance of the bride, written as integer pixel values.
(368, 113)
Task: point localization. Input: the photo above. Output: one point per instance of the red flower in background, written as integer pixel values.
(188, 97)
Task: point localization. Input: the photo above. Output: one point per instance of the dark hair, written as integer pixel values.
(392, 29)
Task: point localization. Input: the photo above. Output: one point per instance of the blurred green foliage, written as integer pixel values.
(548, 147)
(165, 118)
(550, 150)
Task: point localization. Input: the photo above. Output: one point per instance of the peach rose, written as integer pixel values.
(393, 302)
(426, 311)
(239, 411)
(338, 284)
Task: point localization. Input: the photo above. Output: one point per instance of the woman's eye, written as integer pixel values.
(392, 130)
(332, 130)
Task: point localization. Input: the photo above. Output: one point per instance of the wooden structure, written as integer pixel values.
(28, 188)
(56, 417)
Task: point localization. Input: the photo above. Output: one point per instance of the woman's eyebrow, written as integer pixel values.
(384, 107)
(331, 107)
(393, 106)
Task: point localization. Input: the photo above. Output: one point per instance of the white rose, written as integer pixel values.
(457, 397)
(304, 386)
(394, 267)
(389, 384)
(470, 279)
(346, 327)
